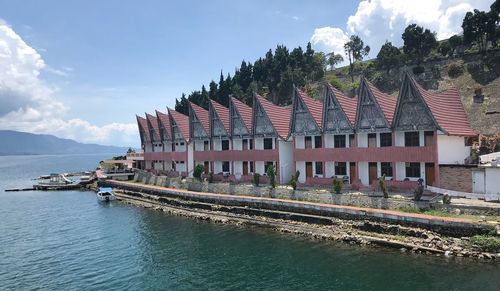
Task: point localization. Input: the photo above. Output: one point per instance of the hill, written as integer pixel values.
(23, 143)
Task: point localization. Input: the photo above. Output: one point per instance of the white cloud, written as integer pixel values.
(376, 21)
(27, 102)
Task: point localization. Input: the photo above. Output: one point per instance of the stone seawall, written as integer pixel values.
(443, 225)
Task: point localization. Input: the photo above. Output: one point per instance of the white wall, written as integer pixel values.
(399, 138)
(217, 144)
(180, 167)
(238, 168)
(362, 140)
(363, 173)
(492, 176)
(190, 159)
(217, 167)
(237, 144)
(301, 167)
(285, 160)
(148, 147)
(167, 165)
(167, 147)
(300, 142)
(179, 147)
(199, 145)
(259, 167)
(452, 149)
(329, 169)
(329, 140)
(259, 143)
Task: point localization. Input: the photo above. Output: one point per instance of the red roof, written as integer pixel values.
(315, 107)
(154, 123)
(386, 102)
(348, 104)
(182, 122)
(165, 121)
(202, 115)
(245, 112)
(143, 124)
(448, 110)
(223, 114)
(278, 115)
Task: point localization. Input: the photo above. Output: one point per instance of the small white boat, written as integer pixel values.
(105, 195)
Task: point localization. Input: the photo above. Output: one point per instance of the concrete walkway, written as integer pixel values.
(369, 212)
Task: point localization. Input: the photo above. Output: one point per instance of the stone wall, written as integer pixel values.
(456, 177)
(348, 198)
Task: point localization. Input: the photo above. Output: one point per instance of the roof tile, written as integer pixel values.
(182, 122)
(245, 112)
(223, 114)
(278, 115)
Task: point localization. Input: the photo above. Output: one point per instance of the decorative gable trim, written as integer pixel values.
(369, 115)
(216, 126)
(237, 126)
(335, 119)
(262, 126)
(197, 130)
(302, 121)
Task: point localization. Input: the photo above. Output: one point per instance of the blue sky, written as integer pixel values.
(105, 61)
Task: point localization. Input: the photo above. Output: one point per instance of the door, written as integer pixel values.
(478, 182)
(352, 172)
(372, 172)
(429, 174)
(207, 167)
(309, 169)
(372, 140)
(245, 168)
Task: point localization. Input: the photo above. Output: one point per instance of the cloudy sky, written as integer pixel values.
(83, 69)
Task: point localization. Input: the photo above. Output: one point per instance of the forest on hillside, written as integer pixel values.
(275, 74)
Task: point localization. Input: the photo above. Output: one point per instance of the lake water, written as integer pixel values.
(67, 241)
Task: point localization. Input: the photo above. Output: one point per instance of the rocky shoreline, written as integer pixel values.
(406, 239)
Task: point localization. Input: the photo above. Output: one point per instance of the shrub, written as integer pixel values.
(294, 180)
(337, 185)
(198, 170)
(271, 173)
(335, 82)
(486, 243)
(256, 179)
(210, 177)
(454, 70)
(418, 70)
(383, 187)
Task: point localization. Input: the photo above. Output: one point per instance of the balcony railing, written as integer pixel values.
(372, 154)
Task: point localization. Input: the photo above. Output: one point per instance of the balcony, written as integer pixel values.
(371, 154)
(235, 155)
(165, 156)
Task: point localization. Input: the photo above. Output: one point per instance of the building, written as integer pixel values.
(414, 135)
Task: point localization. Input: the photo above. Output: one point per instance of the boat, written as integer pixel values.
(56, 182)
(105, 195)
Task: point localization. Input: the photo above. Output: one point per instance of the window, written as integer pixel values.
(413, 170)
(339, 141)
(181, 144)
(319, 168)
(251, 167)
(385, 139)
(386, 169)
(225, 145)
(318, 142)
(267, 165)
(340, 168)
(412, 139)
(225, 166)
(206, 145)
(308, 142)
(351, 140)
(428, 137)
(268, 143)
(372, 140)
(245, 144)
(250, 143)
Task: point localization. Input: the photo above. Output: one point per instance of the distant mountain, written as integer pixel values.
(23, 143)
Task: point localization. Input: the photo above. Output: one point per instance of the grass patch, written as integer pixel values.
(486, 243)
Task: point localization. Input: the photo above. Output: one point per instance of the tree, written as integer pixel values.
(479, 28)
(333, 60)
(388, 57)
(418, 42)
(355, 51)
(445, 48)
(454, 41)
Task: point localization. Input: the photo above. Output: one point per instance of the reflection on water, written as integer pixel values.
(67, 240)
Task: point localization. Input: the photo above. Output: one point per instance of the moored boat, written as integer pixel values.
(105, 195)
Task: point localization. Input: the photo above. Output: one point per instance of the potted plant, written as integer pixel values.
(337, 185)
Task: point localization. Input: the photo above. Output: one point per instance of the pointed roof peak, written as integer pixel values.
(202, 115)
(279, 116)
(182, 122)
(386, 102)
(347, 104)
(314, 106)
(222, 112)
(244, 111)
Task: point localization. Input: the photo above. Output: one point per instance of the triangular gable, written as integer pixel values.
(164, 124)
(241, 118)
(278, 116)
(412, 113)
(219, 120)
(198, 122)
(369, 116)
(335, 118)
(180, 125)
(143, 129)
(153, 128)
(303, 122)
(262, 125)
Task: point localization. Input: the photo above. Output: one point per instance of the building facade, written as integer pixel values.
(359, 139)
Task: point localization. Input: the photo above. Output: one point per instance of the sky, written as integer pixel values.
(83, 69)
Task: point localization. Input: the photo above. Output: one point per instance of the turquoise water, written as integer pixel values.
(68, 241)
